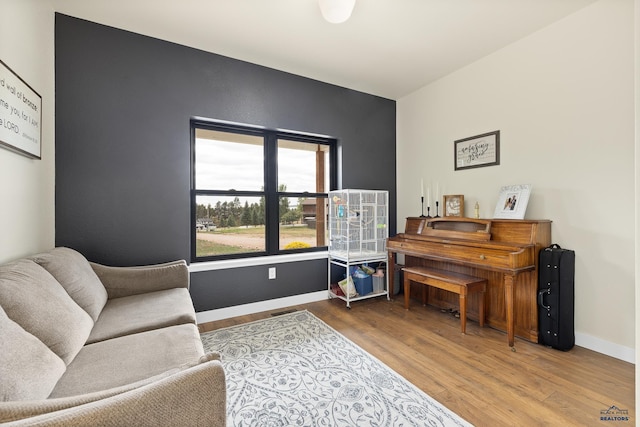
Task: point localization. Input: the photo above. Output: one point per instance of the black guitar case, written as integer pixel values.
(556, 297)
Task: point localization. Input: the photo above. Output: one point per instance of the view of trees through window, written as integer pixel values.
(258, 193)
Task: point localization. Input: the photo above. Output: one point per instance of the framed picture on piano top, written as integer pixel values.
(512, 202)
(453, 205)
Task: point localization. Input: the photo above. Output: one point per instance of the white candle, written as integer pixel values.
(421, 187)
(428, 196)
(437, 191)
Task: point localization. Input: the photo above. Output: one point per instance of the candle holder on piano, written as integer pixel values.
(437, 215)
(422, 207)
(428, 213)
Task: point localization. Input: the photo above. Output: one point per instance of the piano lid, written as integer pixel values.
(450, 228)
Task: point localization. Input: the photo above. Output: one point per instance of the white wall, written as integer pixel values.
(637, 181)
(563, 100)
(27, 185)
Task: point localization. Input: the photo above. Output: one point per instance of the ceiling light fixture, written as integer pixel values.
(336, 11)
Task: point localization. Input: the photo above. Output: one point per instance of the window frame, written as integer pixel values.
(270, 193)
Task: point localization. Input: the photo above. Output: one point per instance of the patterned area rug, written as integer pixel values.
(295, 370)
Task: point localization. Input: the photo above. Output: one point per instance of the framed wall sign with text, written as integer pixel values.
(477, 151)
(20, 114)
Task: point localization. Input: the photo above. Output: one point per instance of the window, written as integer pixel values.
(258, 192)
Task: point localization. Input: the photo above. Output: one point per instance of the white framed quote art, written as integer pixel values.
(20, 114)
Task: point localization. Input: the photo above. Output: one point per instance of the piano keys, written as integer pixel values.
(503, 251)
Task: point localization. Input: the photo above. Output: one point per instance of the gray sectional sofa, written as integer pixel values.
(87, 344)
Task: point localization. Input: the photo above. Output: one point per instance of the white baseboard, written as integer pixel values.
(583, 340)
(606, 347)
(256, 307)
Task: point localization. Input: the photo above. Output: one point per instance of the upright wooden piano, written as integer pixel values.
(503, 251)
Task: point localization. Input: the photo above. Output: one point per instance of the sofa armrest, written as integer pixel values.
(125, 281)
(194, 396)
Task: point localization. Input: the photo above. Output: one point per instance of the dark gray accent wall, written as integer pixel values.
(123, 105)
(251, 284)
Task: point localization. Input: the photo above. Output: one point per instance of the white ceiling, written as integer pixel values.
(388, 48)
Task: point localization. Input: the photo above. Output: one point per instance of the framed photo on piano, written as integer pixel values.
(512, 202)
(453, 205)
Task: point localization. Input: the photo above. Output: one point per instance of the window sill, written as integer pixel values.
(250, 262)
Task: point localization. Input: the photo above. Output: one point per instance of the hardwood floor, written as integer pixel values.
(476, 375)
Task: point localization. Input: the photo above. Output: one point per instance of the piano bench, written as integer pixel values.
(451, 281)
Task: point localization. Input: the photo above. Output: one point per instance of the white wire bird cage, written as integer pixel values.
(358, 224)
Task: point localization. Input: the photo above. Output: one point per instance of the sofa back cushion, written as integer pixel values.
(28, 369)
(72, 270)
(33, 299)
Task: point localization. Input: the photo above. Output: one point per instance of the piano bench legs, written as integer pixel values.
(460, 284)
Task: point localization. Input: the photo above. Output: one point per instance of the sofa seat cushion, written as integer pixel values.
(28, 369)
(123, 360)
(145, 312)
(72, 270)
(33, 299)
